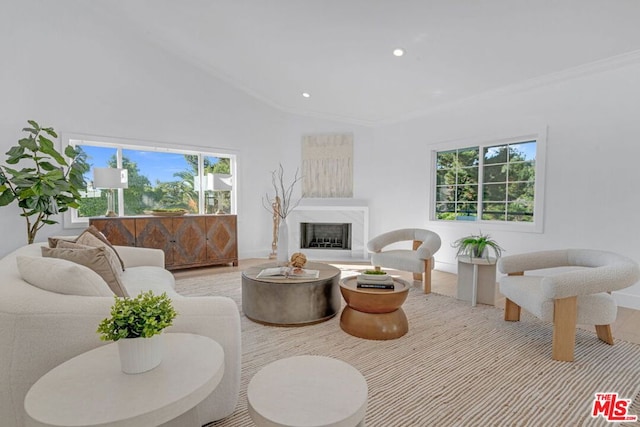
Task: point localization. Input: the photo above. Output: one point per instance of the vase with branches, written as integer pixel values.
(280, 204)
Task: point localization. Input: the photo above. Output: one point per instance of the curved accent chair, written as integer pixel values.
(418, 260)
(569, 297)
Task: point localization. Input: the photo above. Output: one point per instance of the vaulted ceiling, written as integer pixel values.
(340, 51)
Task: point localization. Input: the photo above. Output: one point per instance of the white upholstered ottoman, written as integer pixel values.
(308, 391)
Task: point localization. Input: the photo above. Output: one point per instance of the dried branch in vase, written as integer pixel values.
(281, 204)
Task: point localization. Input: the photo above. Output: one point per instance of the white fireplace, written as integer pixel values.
(331, 214)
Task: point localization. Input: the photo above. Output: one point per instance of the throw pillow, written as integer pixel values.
(93, 237)
(62, 277)
(53, 241)
(96, 259)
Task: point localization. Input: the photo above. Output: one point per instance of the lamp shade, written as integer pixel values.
(110, 178)
(220, 182)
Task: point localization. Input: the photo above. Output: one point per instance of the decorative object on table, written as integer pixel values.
(281, 205)
(167, 212)
(136, 324)
(477, 246)
(110, 179)
(298, 260)
(375, 279)
(51, 185)
(288, 273)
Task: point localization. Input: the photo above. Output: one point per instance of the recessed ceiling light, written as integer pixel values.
(398, 52)
(306, 95)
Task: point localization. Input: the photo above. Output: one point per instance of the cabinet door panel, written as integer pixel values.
(156, 233)
(190, 240)
(119, 231)
(222, 238)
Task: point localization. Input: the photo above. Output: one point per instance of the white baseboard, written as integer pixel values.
(627, 300)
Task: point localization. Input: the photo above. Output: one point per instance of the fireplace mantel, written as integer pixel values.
(353, 211)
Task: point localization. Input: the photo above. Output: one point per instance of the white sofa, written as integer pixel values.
(40, 329)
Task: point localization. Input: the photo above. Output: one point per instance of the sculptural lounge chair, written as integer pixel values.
(418, 260)
(579, 296)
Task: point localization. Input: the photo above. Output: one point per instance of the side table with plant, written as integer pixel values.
(477, 246)
(136, 324)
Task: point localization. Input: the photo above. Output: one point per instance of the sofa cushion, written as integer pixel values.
(62, 276)
(111, 256)
(91, 236)
(94, 258)
(147, 278)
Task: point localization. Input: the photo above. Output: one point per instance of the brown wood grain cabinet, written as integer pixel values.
(187, 241)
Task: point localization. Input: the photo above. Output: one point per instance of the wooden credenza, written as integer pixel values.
(187, 241)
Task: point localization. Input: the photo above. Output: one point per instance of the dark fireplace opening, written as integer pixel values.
(316, 235)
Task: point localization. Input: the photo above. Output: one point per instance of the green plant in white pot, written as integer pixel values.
(136, 324)
(477, 246)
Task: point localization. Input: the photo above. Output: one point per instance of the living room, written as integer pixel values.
(88, 68)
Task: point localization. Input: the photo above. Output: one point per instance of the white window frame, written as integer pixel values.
(537, 226)
(72, 220)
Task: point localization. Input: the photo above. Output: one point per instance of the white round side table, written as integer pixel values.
(308, 391)
(91, 389)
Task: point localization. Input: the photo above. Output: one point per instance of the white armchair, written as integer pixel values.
(418, 260)
(579, 296)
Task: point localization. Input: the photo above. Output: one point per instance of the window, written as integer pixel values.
(499, 182)
(199, 182)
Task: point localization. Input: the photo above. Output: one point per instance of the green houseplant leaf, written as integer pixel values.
(476, 246)
(143, 316)
(49, 185)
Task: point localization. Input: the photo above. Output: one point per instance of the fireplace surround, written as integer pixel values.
(333, 213)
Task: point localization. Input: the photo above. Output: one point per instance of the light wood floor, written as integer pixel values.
(626, 327)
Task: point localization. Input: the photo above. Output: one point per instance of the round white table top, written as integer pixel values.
(307, 391)
(91, 389)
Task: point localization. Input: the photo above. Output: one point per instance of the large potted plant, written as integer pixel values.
(477, 246)
(136, 325)
(51, 184)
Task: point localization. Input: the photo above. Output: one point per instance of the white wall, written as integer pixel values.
(591, 171)
(82, 73)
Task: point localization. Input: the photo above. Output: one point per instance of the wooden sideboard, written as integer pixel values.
(187, 241)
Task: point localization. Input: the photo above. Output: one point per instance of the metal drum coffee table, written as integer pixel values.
(291, 302)
(374, 314)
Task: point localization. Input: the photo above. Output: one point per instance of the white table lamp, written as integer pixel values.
(219, 182)
(110, 179)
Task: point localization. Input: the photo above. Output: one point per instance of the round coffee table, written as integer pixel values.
(91, 389)
(291, 302)
(308, 391)
(374, 314)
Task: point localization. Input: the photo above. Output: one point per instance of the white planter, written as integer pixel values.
(139, 355)
(283, 243)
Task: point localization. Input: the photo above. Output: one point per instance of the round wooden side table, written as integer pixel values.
(373, 313)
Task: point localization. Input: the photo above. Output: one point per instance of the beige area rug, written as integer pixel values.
(457, 366)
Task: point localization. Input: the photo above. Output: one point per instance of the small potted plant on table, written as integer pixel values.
(477, 246)
(136, 324)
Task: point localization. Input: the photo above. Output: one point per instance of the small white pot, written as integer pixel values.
(139, 355)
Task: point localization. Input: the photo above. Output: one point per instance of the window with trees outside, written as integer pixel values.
(493, 183)
(197, 182)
